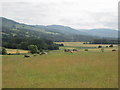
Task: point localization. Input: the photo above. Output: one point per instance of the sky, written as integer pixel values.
(78, 14)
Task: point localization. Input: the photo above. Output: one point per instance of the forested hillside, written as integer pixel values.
(11, 29)
(20, 36)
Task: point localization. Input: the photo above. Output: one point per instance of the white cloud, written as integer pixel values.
(74, 13)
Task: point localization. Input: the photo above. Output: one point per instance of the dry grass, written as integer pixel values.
(13, 51)
(80, 44)
(57, 69)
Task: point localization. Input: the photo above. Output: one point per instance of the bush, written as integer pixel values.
(86, 49)
(4, 51)
(60, 44)
(33, 49)
(106, 46)
(99, 46)
(111, 45)
(9, 54)
(84, 43)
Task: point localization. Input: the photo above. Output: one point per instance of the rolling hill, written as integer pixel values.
(102, 32)
(12, 29)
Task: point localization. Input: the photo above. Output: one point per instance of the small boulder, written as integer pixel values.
(114, 50)
(26, 55)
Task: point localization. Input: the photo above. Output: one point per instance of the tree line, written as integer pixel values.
(104, 41)
(23, 43)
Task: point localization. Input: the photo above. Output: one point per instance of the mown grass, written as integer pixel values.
(57, 69)
(80, 44)
(13, 51)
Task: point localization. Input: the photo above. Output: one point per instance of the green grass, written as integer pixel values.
(57, 69)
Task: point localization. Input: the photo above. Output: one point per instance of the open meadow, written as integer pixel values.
(13, 51)
(59, 69)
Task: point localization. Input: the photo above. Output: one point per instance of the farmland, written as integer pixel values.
(13, 51)
(59, 69)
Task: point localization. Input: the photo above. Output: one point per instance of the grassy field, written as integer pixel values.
(13, 51)
(80, 44)
(57, 69)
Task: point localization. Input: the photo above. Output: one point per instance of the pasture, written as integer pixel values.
(13, 51)
(59, 69)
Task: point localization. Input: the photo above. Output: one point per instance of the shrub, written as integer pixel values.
(9, 54)
(106, 46)
(86, 49)
(62, 44)
(111, 45)
(99, 46)
(4, 51)
(33, 49)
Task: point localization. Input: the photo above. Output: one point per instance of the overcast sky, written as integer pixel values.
(79, 14)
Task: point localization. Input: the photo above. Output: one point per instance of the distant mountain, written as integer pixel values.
(12, 29)
(109, 33)
(60, 29)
